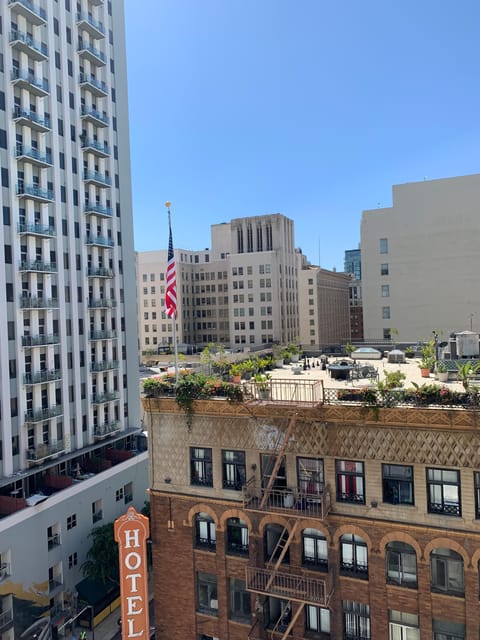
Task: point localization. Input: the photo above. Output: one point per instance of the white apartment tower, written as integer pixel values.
(242, 293)
(69, 381)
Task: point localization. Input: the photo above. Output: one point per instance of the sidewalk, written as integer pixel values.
(109, 629)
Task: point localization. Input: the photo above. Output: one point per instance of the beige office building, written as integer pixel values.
(421, 259)
(241, 293)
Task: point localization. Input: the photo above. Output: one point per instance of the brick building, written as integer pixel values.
(315, 519)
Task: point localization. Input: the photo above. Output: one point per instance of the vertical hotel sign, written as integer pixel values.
(131, 533)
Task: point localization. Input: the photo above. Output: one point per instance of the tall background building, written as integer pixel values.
(420, 260)
(353, 266)
(69, 403)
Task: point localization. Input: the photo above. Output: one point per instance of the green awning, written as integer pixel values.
(92, 592)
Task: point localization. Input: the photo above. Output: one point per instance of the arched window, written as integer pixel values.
(237, 536)
(353, 556)
(205, 534)
(314, 549)
(401, 564)
(446, 572)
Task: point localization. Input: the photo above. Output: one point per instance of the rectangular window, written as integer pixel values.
(397, 484)
(350, 481)
(383, 245)
(201, 470)
(386, 313)
(233, 469)
(72, 521)
(97, 513)
(128, 492)
(476, 480)
(207, 598)
(72, 560)
(443, 492)
(401, 564)
(310, 476)
(384, 269)
(317, 619)
(403, 626)
(239, 600)
(446, 630)
(385, 291)
(356, 620)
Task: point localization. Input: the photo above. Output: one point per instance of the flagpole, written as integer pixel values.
(174, 317)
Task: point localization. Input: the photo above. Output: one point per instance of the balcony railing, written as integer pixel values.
(89, 20)
(33, 154)
(34, 191)
(37, 85)
(45, 413)
(55, 585)
(101, 303)
(101, 431)
(40, 340)
(37, 302)
(39, 49)
(104, 365)
(53, 541)
(97, 516)
(6, 617)
(99, 272)
(43, 451)
(291, 502)
(42, 376)
(100, 398)
(107, 334)
(91, 52)
(98, 210)
(102, 241)
(37, 229)
(286, 391)
(99, 178)
(31, 8)
(101, 147)
(42, 123)
(300, 588)
(37, 265)
(90, 112)
(98, 86)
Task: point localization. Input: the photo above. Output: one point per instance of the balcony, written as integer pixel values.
(43, 230)
(37, 302)
(31, 118)
(92, 26)
(97, 210)
(297, 587)
(34, 156)
(99, 241)
(6, 619)
(40, 340)
(99, 272)
(93, 55)
(5, 570)
(42, 376)
(53, 541)
(107, 334)
(289, 502)
(55, 586)
(39, 415)
(95, 117)
(32, 48)
(31, 11)
(37, 266)
(26, 80)
(101, 398)
(37, 455)
(35, 192)
(102, 303)
(97, 87)
(103, 365)
(97, 178)
(100, 149)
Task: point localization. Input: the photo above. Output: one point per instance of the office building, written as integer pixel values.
(353, 266)
(242, 293)
(314, 518)
(68, 369)
(420, 260)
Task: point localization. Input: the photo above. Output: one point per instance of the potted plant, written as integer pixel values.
(262, 385)
(278, 355)
(442, 371)
(409, 352)
(236, 370)
(294, 351)
(428, 358)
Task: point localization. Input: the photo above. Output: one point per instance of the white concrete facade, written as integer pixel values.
(420, 260)
(68, 334)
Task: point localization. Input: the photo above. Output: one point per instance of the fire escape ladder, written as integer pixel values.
(282, 544)
(292, 622)
(278, 461)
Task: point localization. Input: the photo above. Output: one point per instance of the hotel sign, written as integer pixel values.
(131, 533)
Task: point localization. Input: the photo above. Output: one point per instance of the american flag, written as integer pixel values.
(171, 293)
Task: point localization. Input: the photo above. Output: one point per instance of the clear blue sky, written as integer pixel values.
(311, 108)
